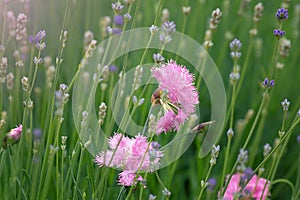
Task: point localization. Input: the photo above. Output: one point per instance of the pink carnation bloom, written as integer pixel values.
(170, 121)
(254, 187)
(15, 134)
(128, 178)
(178, 82)
(131, 155)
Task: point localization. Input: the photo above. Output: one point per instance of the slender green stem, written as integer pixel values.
(62, 175)
(142, 188)
(288, 183)
(205, 182)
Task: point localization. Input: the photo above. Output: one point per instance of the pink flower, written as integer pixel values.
(254, 188)
(13, 136)
(128, 178)
(182, 95)
(178, 81)
(130, 155)
(170, 121)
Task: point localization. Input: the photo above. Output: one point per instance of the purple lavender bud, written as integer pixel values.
(37, 133)
(117, 7)
(158, 58)
(211, 183)
(278, 33)
(31, 39)
(127, 17)
(118, 20)
(40, 35)
(298, 139)
(235, 55)
(113, 68)
(266, 82)
(248, 172)
(116, 31)
(169, 27)
(282, 14)
(155, 145)
(235, 45)
(272, 83)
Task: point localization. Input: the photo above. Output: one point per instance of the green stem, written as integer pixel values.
(288, 183)
(205, 181)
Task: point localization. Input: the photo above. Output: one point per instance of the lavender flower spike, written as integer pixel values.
(282, 14)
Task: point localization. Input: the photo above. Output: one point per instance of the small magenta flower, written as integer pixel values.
(253, 190)
(13, 136)
(282, 14)
(278, 33)
(178, 98)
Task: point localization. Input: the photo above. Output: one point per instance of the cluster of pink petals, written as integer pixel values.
(131, 155)
(170, 121)
(15, 134)
(178, 82)
(255, 187)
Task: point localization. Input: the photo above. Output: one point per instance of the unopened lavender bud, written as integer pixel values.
(47, 61)
(234, 76)
(165, 15)
(281, 133)
(267, 149)
(166, 192)
(24, 82)
(186, 10)
(152, 197)
(134, 100)
(279, 65)
(158, 58)
(117, 7)
(141, 101)
(153, 29)
(230, 133)
(127, 17)
(253, 32)
(285, 105)
(203, 184)
(258, 10)
(37, 61)
(10, 81)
